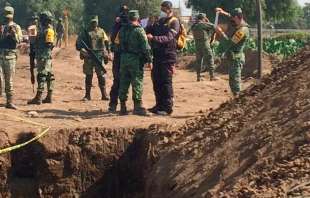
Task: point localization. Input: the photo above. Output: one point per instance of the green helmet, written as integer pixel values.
(201, 16)
(8, 12)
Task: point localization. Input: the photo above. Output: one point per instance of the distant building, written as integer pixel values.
(181, 9)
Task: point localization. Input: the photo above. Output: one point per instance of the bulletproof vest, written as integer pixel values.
(127, 44)
(199, 31)
(42, 49)
(7, 42)
(240, 46)
(96, 39)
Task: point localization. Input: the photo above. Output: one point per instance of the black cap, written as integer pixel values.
(167, 4)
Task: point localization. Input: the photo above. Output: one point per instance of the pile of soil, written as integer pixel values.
(257, 145)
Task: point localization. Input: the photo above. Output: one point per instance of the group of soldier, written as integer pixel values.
(133, 48)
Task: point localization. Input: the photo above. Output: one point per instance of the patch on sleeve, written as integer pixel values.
(238, 36)
(50, 36)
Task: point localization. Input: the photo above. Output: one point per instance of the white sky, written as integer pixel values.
(302, 2)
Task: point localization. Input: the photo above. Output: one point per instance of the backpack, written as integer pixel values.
(181, 37)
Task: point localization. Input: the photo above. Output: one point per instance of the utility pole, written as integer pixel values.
(66, 27)
(259, 39)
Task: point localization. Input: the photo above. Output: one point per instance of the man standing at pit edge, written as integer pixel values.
(235, 47)
(43, 52)
(10, 37)
(136, 53)
(163, 37)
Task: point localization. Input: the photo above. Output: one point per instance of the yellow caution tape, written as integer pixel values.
(43, 131)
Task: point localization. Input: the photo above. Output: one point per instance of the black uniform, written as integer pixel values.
(164, 45)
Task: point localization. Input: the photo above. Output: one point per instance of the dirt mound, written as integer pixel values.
(254, 146)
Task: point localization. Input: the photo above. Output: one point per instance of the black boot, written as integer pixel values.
(37, 100)
(88, 85)
(139, 109)
(9, 104)
(112, 108)
(48, 98)
(123, 109)
(104, 95)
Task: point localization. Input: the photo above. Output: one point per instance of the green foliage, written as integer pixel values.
(107, 10)
(274, 10)
(284, 45)
(24, 10)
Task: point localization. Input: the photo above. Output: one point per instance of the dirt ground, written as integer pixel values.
(68, 111)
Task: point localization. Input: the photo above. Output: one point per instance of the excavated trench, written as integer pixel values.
(93, 162)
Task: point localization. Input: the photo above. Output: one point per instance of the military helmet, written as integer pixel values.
(201, 16)
(236, 12)
(94, 18)
(46, 15)
(8, 12)
(133, 15)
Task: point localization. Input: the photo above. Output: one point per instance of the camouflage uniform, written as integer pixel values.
(98, 41)
(235, 53)
(43, 52)
(135, 53)
(204, 55)
(10, 37)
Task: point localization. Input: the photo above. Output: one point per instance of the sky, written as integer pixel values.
(302, 2)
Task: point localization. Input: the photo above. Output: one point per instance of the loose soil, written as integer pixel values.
(254, 146)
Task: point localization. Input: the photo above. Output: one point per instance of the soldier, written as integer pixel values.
(60, 32)
(10, 37)
(97, 40)
(121, 20)
(234, 46)
(43, 52)
(136, 52)
(202, 30)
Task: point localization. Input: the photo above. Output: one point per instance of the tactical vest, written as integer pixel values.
(199, 31)
(97, 39)
(8, 42)
(43, 50)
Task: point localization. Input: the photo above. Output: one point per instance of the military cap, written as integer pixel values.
(167, 4)
(94, 18)
(201, 16)
(133, 14)
(236, 12)
(8, 12)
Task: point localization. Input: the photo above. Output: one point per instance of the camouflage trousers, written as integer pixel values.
(45, 74)
(235, 69)
(204, 57)
(131, 73)
(7, 71)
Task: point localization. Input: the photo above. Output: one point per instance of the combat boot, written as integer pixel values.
(123, 109)
(48, 98)
(212, 77)
(87, 96)
(139, 109)
(112, 108)
(104, 95)
(9, 104)
(37, 100)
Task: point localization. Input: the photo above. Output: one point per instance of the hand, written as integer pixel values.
(150, 36)
(219, 30)
(110, 56)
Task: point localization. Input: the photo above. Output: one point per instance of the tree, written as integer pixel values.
(306, 11)
(274, 10)
(107, 10)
